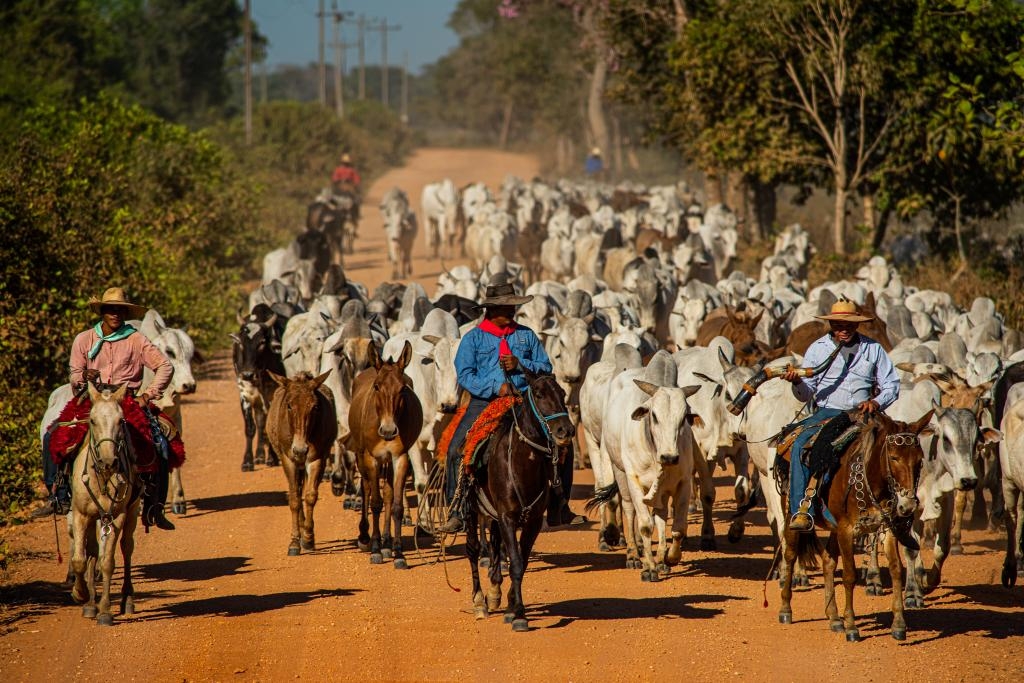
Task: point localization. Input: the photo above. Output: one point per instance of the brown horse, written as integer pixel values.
(512, 490)
(873, 488)
(385, 418)
(301, 427)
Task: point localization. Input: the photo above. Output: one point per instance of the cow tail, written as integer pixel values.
(602, 496)
(808, 549)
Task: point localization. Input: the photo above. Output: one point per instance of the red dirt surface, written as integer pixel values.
(219, 599)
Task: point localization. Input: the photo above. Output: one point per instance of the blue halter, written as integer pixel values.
(542, 419)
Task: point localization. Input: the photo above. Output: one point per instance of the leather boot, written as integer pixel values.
(153, 497)
(801, 519)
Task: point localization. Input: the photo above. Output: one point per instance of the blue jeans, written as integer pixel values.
(454, 460)
(798, 472)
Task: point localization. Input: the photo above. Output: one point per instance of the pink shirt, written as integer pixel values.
(121, 362)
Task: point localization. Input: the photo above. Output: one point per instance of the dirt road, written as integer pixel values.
(219, 599)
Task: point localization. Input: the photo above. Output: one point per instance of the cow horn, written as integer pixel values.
(239, 318)
(646, 387)
(271, 321)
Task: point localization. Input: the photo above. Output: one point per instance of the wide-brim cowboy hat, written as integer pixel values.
(501, 292)
(114, 296)
(845, 311)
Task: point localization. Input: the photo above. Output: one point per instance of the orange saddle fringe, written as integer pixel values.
(483, 428)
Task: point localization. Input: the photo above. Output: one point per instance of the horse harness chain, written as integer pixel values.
(549, 449)
(862, 490)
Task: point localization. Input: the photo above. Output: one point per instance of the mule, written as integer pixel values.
(512, 491)
(104, 489)
(385, 419)
(874, 488)
(301, 428)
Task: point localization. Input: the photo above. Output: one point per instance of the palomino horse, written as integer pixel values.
(301, 428)
(512, 490)
(873, 488)
(103, 489)
(385, 418)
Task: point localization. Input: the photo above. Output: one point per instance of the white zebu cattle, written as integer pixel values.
(558, 258)
(647, 438)
(1011, 460)
(286, 266)
(303, 341)
(400, 229)
(459, 281)
(439, 209)
(493, 235)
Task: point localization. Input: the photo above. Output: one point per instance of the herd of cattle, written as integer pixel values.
(651, 334)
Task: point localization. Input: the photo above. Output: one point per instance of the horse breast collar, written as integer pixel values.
(858, 481)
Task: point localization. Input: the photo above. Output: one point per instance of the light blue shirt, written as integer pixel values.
(477, 361)
(844, 385)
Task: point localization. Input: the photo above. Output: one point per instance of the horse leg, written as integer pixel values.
(401, 472)
(829, 562)
(310, 492)
(844, 536)
(363, 540)
(92, 550)
(250, 433)
(127, 550)
(892, 552)
(494, 570)
(376, 502)
(527, 537)
(473, 555)
(294, 503)
(786, 578)
(388, 495)
(80, 524)
(104, 617)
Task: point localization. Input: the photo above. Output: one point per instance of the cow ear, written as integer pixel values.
(338, 345)
(989, 435)
(645, 387)
(236, 338)
(690, 390)
(704, 378)
(694, 420)
(550, 332)
(430, 338)
(281, 381)
(239, 318)
(198, 358)
(937, 409)
(596, 338)
(317, 381)
(403, 360)
(640, 413)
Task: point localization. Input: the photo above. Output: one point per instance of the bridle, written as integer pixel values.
(121, 468)
(863, 492)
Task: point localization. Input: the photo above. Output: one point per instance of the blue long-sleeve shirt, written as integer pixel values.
(477, 361)
(845, 386)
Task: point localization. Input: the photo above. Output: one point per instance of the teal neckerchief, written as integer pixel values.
(120, 333)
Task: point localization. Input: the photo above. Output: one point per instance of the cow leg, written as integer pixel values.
(829, 562)
(260, 416)
(250, 433)
(1013, 502)
(420, 475)
(680, 501)
(872, 576)
(943, 546)
(959, 507)
(844, 536)
(337, 473)
(892, 553)
(660, 517)
(608, 536)
(629, 522)
(401, 473)
(707, 502)
(294, 503)
(494, 570)
(645, 524)
(127, 550)
(310, 493)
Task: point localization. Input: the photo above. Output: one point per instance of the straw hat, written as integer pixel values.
(596, 151)
(115, 297)
(346, 158)
(845, 311)
(501, 292)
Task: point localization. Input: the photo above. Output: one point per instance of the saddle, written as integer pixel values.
(824, 449)
(475, 449)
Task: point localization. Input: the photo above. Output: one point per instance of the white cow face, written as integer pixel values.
(668, 419)
(956, 438)
(568, 342)
(446, 380)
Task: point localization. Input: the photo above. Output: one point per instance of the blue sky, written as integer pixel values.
(291, 27)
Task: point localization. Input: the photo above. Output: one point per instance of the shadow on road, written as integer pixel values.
(576, 563)
(625, 608)
(241, 605)
(234, 501)
(202, 569)
(29, 601)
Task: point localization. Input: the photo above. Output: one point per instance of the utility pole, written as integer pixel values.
(405, 88)
(263, 81)
(384, 28)
(323, 69)
(362, 57)
(339, 46)
(248, 73)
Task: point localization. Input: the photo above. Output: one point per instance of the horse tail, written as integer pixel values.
(602, 496)
(808, 549)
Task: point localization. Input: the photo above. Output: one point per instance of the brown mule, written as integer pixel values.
(385, 418)
(873, 488)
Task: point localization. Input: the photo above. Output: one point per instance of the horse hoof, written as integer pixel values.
(911, 602)
(338, 490)
(364, 546)
(293, 550)
(127, 606)
(509, 617)
(386, 553)
(736, 530)
(247, 467)
(853, 636)
(485, 562)
(785, 618)
(956, 550)
(89, 611)
(899, 634)
(520, 625)
(178, 508)
(105, 619)
(307, 545)
(1009, 577)
(376, 558)
(836, 626)
(603, 547)
(708, 544)
(480, 613)
(400, 563)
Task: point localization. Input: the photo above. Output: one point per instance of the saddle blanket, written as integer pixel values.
(484, 427)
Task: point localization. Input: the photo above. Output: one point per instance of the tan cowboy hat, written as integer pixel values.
(596, 151)
(501, 292)
(346, 159)
(845, 311)
(115, 297)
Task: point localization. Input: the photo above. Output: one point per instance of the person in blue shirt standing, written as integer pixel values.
(490, 364)
(861, 377)
(593, 166)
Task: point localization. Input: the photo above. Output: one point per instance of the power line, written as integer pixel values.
(384, 28)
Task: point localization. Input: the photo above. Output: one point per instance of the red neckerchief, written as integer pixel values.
(501, 332)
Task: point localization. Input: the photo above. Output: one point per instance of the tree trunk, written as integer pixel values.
(506, 124)
(881, 225)
(712, 188)
(868, 206)
(839, 227)
(765, 209)
(957, 227)
(560, 155)
(598, 80)
(736, 198)
(617, 146)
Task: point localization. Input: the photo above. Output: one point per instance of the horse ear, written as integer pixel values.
(237, 339)
(373, 356)
(919, 426)
(239, 318)
(757, 318)
(989, 435)
(403, 360)
(317, 381)
(869, 302)
(93, 394)
(119, 394)
(281, 381)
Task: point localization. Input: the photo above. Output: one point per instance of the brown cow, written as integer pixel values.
(385, 418)
(806, 334)
(301, 427)
(738, 327)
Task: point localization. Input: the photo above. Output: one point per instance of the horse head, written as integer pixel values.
(898, 454)
(301, 403)
(106, 438)
(388, 389)
(547, 401)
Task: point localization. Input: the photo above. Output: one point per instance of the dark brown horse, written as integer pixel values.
(301, 427)
(512, 490)
(874, 488)
(385, 418)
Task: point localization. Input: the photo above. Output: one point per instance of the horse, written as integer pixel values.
(301, 428)
(104, 488)
(385, 420)
(513, 488)
(874, 487)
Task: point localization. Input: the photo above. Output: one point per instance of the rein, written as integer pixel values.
(549, 449)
